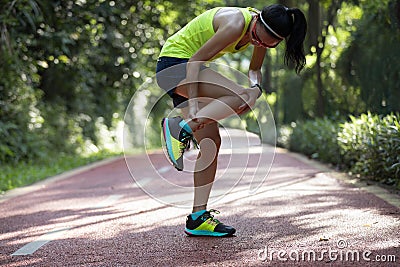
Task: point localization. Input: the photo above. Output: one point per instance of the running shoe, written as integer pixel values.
(206, 225)
(177, 135)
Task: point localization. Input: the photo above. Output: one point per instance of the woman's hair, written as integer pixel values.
(291, 25)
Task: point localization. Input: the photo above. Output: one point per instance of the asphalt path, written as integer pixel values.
(131, 212)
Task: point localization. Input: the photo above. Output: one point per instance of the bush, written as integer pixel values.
(316, 139)
(368, 145)
(17, 174)
(19, 138)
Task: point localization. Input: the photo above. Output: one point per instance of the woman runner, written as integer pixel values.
(206, 96)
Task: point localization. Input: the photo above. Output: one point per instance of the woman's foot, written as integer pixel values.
(202, 223)
(177, 135)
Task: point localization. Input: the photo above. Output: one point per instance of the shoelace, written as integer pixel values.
(207, 215)
(185, 142)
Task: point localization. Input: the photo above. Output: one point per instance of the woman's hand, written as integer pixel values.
(193, 109)
(249, 96)
(255, 76)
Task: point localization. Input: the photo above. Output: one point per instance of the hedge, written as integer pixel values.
(368, 145)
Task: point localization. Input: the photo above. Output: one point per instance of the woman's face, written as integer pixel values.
(260, 37)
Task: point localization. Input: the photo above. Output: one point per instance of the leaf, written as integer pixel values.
(35, 7)
(30, 19)
(394, 166)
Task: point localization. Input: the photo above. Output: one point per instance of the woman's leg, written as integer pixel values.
(220, 93)
(219, 98)
(206, 164)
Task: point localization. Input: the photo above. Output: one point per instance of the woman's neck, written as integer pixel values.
(247, 36)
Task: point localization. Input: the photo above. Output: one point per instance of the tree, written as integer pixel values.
(70, 67)
(372, 60)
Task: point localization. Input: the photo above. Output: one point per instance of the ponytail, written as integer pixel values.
(294, 44)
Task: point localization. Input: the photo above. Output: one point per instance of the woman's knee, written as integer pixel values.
(217, 140)
(209, 133)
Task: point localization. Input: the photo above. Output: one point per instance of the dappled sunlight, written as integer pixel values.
(78, 83)
(318, 220)
(289, 211)
(25, 262)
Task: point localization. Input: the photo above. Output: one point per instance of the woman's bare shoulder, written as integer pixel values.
(229, 16)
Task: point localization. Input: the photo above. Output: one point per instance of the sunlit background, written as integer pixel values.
(69, 69)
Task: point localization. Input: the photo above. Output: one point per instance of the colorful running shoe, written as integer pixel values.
(204, 224)
(177, 135)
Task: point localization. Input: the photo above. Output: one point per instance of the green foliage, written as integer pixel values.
(66, 65)
(316, 139)
(372, 60)
(360, 62)
(69, 68)
(368, 145)
(13, 175)
(19, 136)
(291, 95)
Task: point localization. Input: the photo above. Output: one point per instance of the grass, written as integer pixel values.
(26, 173)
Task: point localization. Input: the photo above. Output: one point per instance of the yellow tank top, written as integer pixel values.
(186, 42)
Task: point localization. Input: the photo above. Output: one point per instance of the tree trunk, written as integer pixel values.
(314, 36)
(314, 23)
(320, 87)
(331, 15)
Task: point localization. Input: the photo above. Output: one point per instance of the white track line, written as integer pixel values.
(30, 248)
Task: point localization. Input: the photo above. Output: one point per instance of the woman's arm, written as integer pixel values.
(257, 59)
(228, 28)
(255, 78)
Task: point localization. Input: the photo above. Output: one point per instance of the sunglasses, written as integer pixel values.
(257, 39)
